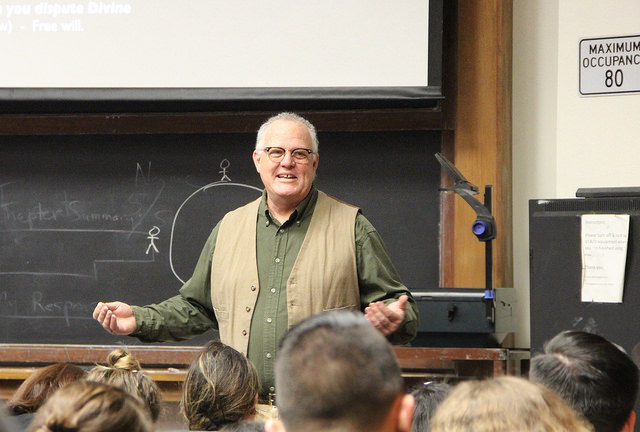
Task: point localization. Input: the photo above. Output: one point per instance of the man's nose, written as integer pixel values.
(287, 159)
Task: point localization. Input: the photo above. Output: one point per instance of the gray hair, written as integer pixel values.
(360, 376)
(291, 117)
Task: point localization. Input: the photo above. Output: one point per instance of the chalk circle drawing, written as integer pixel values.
(223, 184)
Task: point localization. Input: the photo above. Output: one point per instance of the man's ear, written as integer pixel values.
(630, 424)
(256, 159)
(405, 413)
(257, 156)
(274, 425)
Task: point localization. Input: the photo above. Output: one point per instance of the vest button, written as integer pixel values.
(253, 288)
(248, 309)
(244, 332)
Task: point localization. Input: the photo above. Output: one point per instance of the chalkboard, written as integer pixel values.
(124, 217)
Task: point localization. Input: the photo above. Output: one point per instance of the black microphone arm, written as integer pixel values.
(484, 227)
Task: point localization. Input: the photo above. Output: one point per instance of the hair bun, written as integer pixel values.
(55, 424)
(122, 359)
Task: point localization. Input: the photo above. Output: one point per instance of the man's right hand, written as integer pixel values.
(115, 317)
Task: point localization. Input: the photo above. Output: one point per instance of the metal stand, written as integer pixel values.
(484, 226)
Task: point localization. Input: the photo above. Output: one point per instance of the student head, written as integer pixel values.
(335, 372)
(87, 406)
(124, 371)
(221, 387)
(244, 426)
(593, 375)
(35, 390)
(505, 404)
(427, 397)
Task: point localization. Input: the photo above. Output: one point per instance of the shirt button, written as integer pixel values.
(269, 320)
(268, 355)
(244, 332)
(272, 389)
(273, 290)
(277, 260)
(248, 309)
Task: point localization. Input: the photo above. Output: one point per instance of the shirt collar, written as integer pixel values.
(303, 210)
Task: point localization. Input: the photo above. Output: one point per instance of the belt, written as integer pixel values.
(267, 399)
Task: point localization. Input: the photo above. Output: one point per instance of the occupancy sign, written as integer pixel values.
(610, 65)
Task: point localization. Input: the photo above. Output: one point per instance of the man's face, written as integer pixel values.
(289, 180)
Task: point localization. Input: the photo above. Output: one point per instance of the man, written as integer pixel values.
(291, 254)
(336, 373)
(597, 378)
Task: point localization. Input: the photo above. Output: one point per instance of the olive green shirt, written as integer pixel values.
(191, 312)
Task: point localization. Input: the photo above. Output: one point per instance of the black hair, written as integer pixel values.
(596, 377)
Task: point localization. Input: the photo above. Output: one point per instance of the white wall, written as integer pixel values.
(535, 36)
(597, 136)
(562, 141)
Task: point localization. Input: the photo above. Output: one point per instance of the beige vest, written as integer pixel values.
(324, 275)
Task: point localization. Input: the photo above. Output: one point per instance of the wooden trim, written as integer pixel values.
(25, 354)
(433, 359)
(25, 357)
(213, 122)
(482, 140)
(503, 274)
(157, 374)
(449, 104)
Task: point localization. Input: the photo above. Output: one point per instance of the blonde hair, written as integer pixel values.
(221, 387)
(505, 404)
(85, 406)
(124, 371)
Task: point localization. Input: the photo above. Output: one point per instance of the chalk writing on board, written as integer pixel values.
(62, 213)
(67, 241)
(41, 307)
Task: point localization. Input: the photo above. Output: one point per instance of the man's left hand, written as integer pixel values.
(386, 318)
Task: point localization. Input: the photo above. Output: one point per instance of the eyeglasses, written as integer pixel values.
(300, 155)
